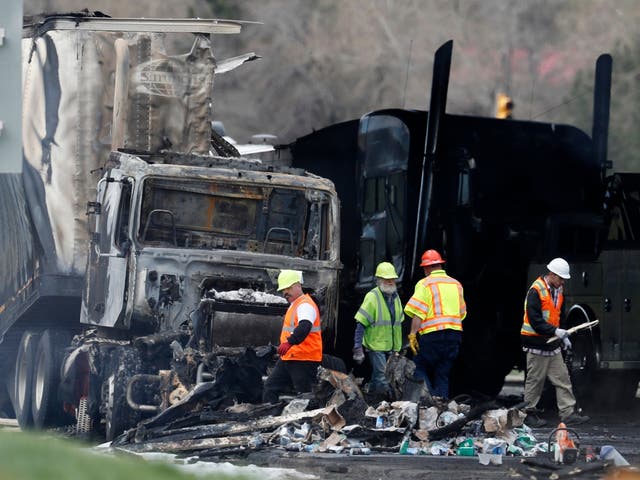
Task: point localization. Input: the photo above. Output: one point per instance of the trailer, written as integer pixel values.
(138, 243)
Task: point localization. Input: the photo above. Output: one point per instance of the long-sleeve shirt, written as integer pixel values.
(534, 311)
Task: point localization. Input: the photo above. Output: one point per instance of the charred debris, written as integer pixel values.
(221, 414)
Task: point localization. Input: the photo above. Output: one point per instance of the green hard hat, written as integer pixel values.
(386, 270)
(288, 278)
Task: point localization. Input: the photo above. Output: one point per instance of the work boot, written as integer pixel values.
(575, 419)
(534, 421)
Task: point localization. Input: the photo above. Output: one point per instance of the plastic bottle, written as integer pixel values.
(285, 437)
(294, 447)
(515, 450)
(607, 452)
(589, 454)
(439, 448)
(404, 446)
(526, 442)
(360, 451)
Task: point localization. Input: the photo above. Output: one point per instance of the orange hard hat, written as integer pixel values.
(431, 257)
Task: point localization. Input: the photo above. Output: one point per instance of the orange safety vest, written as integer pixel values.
(439, 303)
(311, 347)
(550, 312)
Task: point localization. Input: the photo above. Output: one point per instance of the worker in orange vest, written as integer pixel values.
(543, 314)
(437, 309)
(300, 347)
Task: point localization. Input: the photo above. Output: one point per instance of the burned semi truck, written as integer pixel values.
(499, 198)
(135, 238)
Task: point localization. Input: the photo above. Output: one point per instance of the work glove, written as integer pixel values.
(413, 343)
(284, 348)
(566, 343)
(561, 333)
(358, 355)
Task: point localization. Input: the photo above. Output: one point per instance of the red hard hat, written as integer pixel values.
(431, 257)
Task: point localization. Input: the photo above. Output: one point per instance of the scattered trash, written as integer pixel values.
(526, 441)
(490, 458)
(607, 452)
(494, 446)
(360, 451)
(296, 405)
(445, 418)
(589, 454)
(337, 419)
(439, 448)
(501, 420)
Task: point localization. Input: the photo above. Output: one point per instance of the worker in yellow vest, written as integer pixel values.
(437, 309)
(300, 347)
(543, 315)
(379, 327)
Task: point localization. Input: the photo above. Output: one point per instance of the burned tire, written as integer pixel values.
(23, 385)
(617, 389)
(46, 403)
(582, 361)
(582, 364)
(119, 416)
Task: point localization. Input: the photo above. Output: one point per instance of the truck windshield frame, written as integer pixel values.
(196, 213)
(383, 158)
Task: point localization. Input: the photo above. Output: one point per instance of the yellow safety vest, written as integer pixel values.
(438, 301)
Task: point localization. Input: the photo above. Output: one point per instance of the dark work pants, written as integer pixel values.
(378, 382)
(438, 351)
(301, 375)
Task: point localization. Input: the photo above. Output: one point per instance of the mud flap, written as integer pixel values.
(119, 416)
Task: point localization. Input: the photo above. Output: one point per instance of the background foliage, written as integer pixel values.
(326, 61)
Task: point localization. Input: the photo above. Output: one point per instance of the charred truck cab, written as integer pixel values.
(185, 258)
(138, 242)
(197, 247)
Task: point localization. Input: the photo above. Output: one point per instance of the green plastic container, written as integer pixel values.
(466, 451)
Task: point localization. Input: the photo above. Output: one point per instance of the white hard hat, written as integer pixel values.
(560, 267)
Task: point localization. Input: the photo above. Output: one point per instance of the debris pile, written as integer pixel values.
(338, 418)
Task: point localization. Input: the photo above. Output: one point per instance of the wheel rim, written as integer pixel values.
(110, 400)
(38, 391)
(22, 382)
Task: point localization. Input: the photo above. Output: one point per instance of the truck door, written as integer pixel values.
(106, 280)
(630, 326)
(383, 155)
(613, 276)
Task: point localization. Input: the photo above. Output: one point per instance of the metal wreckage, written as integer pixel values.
(223, 416)
(141, 241)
